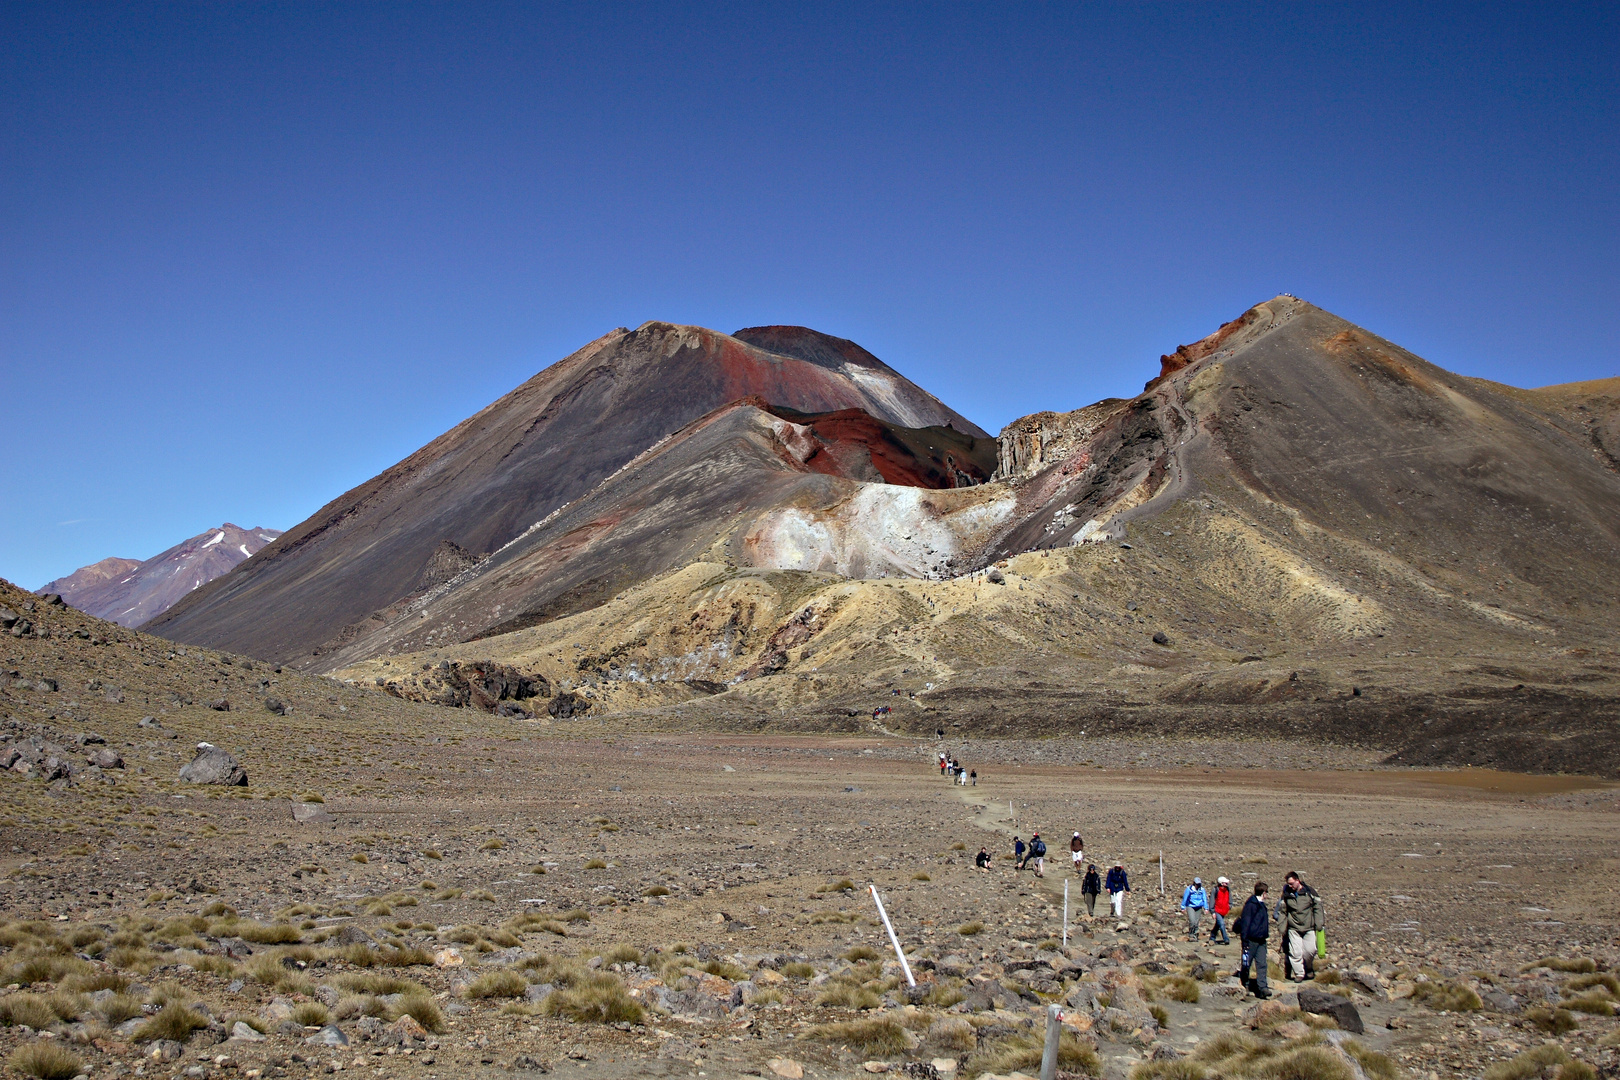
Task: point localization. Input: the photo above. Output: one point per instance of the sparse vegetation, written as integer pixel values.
(497, 984)
(877, 1035)
(1584, 965)
(1552, 1021)
(1442, 995)
(968, 929)
(597, 999)
(45, 1060)
(1022, 1053)
(173, 1021)
(311, 1014)
(841, 885)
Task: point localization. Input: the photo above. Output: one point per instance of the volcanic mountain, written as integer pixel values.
(521, 460)
(129, 592)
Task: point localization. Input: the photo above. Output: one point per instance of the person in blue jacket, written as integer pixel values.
(1253, 930)
(1018, 853)
(1194, 901)
(1117, 885)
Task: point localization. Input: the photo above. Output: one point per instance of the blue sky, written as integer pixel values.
(252, 254)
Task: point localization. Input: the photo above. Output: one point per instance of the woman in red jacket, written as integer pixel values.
(1220, 906)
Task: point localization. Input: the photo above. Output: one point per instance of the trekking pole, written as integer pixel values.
(887, 925)
(1065, 913)
(1049, 1054)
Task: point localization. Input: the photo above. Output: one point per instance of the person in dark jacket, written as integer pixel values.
(1090, 889)
(982, 860)
(1118, 885)
(1253, 929)
(1037, 851)
(1018, 852)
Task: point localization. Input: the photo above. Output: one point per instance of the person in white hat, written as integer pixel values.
(1194, 901)
(1077, 853)
(1220, 906)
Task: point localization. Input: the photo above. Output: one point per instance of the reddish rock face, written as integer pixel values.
(858, 446)
(147, 589)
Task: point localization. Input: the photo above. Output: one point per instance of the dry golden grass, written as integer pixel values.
(422, 1009)
(1591, 1004)
(968, 929)
(29, 1010)
(1552, 1021)
(45, 1060)
(596, 999)
(497, 984)
(1581, 966)
(1531, 1063)
(861, 952)
(1377, 1066)
(881, 1035)
(311, 1014)
(1022, 1053)
(174, 1021)
(1586, 982)
(841, 885)
(1445, 996)
(798, 969)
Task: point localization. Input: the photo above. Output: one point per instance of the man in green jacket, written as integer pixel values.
(1300, 913)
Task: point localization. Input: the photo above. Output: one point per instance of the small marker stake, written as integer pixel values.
(1065, 913)
(887, 925)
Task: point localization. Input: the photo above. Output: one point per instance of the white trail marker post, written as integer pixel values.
(1065, 913)
(887, 925)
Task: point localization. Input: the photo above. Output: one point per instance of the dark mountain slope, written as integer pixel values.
(484, 482)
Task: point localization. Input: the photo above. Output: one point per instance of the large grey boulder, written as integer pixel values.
(1312, 1000)
(214, 766)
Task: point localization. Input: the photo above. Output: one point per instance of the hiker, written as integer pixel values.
(1219, 908)
(1018, 853)
(982, 860)
(1090, 887)
(1037, 851)
(974, 776)
(943, 762)
(1118, 885)
(1077, 853)
(1253, 928)
(1194, 901)
(1300, 913)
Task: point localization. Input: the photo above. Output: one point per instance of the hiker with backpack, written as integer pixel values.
(1118, 885)
(1018, 853)
(1090, 888)
(1037, 851)
(1254, 928)
(1219, 907)
(1300, 913)
(1194, 901)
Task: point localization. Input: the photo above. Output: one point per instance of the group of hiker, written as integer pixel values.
(952, 770)
(1298, 914)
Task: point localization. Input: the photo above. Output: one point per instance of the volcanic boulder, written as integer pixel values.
(214, 766)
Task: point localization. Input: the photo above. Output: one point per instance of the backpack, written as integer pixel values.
(1039, 848)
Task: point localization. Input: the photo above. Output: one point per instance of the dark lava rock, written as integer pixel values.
(1161, 638)
(566, 706)
(218, 704)
(214, 766)
(276, 705)
(1312, 1000)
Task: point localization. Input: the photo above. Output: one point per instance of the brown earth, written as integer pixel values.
(702, 865)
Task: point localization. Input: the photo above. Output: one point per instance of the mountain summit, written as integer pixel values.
(548, 442)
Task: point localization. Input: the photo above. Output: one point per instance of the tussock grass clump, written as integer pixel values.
(943, 995)
(451, 893)
(1586, 982)
(798, 969)
(920, 876)
(959, 846)
(311, 1014)
(821, 918)
(575, 915)
(595, 999)
(1532, 1063)
(953, 1034)
(45, 1060)
(1180, 988)
(1552, 1021)
(841, 885)
(877, 1035)
(421, 1008)
(27, 1010)
(174, 1021)
(1584, 965)
(371, 982)
(259, 933)
(1179, 1069)
(656, 890)
(483, 896)
(861, 952)
(595, 864)
(118, 1008)
(622, 954)
(1377, 1066)
(497, 984)
(1591, 1004)
(1445, 996)
(1022, 1053)
(44, 967)
(492, 844)
(350, 1006)
(968, 929)
(725, 970)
